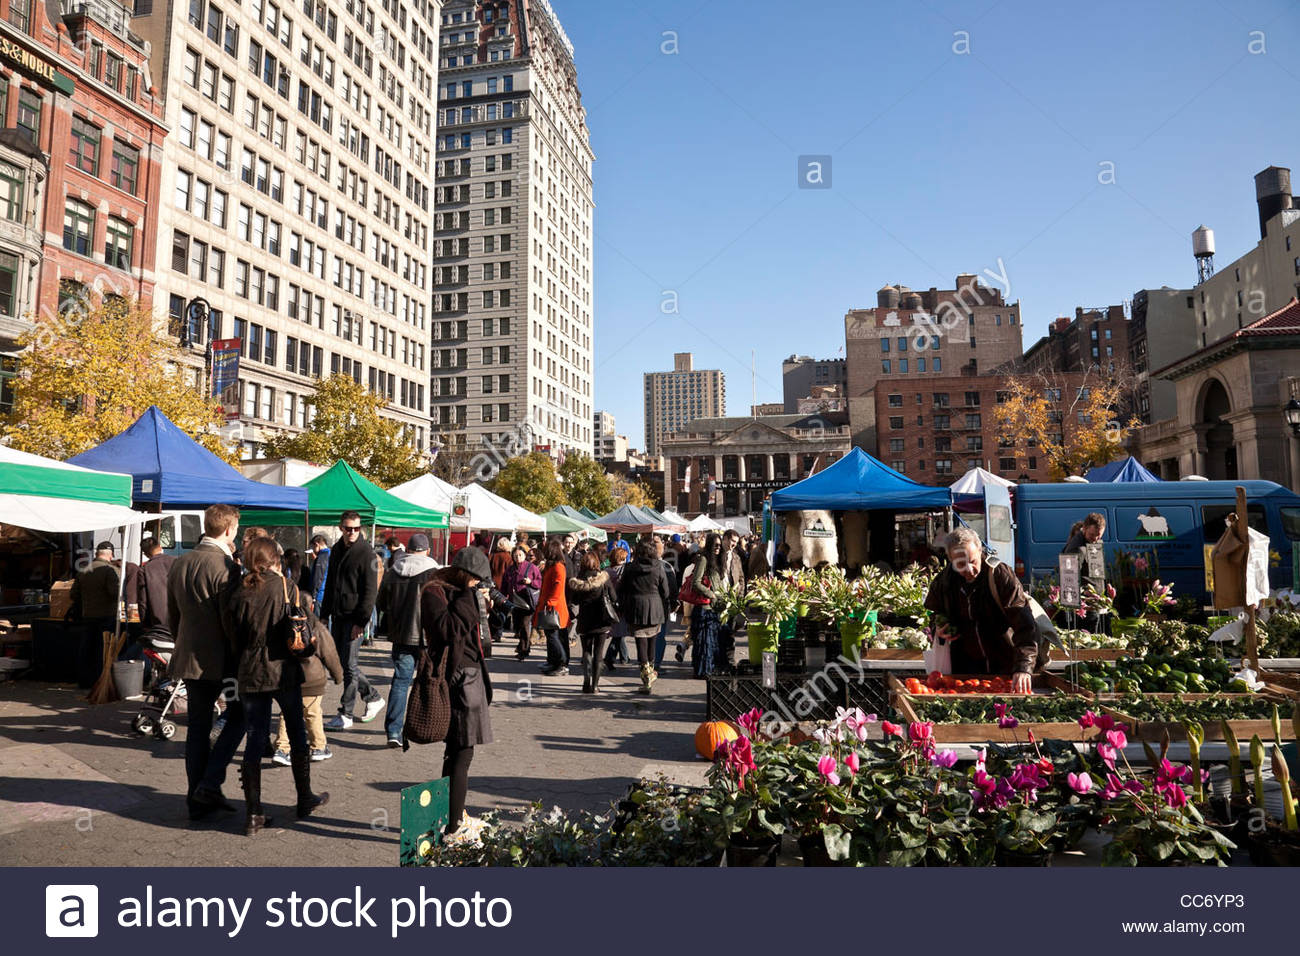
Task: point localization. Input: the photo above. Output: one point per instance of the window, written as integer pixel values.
(896, 421)
(117, 243)
(941, 422)
(1006, 464)
(20, 14)
(936, 364)
(884, 345)
(973, 420)
(78, 227)
(896, 445)
(902, 365)
(8, 283)
(920, 365)
(895, 401)
(884, 366)
(973, 398)
(943, 466)
(13, 187)
(84, 153)
(29, 114)
(974, 443)
(902, 344)
(126, 164)
(113, 72)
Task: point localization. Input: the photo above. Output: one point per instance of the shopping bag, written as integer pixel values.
(938, 656)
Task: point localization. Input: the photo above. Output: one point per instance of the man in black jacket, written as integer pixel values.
(351, 586)
(399, 602)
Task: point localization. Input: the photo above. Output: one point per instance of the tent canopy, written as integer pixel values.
(675, 518)
(571, 512)
(342, 489)
(168, 467)
(587, 514)
(516, 517)
(559, 523)
(976, 480)
(663, 520)
(629, 519)
(428, 491)
(858, 482)
(703, 523)
(52, 496)
(1126, 469)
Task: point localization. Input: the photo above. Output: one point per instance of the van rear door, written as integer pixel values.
(999, 532)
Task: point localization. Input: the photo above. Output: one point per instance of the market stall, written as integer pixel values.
(1126, 469)
(629, 519)
(559, 523)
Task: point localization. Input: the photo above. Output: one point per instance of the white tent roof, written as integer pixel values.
(675, 518)
(487, 511)
(524, 520)
(703, 523)
(65, 515)
(976, 480)
(427, 491)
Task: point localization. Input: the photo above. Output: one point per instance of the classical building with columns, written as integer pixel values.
(727, 466)
(1231, 395)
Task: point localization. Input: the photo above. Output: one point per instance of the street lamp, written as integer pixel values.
(1292, 412)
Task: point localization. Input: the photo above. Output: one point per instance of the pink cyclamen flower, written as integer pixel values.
(1007, 723)
(1104, 722)
(1089, 719)
(944, 759)
(921, 732)
(1116, 738)
(891, 730)
(1107, 753)
(1110, 591)
(853, 762)
(749, 722)
(826, 767)
(1079, 782)
(980, 757)
(1139, 564)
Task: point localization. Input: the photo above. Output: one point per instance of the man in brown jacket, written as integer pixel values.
(202, 658)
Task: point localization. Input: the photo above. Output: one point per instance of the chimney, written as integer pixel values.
(1272, 194)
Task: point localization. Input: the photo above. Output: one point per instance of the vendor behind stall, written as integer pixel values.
(95, 593)
(986, 616)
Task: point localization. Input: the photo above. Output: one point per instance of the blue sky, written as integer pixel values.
(942, 161)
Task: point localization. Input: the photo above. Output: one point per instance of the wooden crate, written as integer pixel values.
(1082, 654)
(892, 654)
(1154, 731)
(989, 732)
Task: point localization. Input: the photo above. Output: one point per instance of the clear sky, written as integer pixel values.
(960, 133)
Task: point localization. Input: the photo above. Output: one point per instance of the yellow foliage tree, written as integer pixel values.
(627, 492)
(89, 371)
(1073, 419)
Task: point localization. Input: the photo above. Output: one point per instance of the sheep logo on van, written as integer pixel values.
(1153, 526)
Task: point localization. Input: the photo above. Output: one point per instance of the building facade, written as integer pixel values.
(609, 446)
(967, 330)
(800, 374)
(727, 466)
(1161, 331)
(513, 316)
(677, 398)
(298, 197)
(81, 151)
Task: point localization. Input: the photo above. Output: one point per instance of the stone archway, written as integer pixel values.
(1220, 449)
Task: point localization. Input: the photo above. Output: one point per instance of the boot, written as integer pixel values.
(307, 801)
(251, 778)
(595, 674)
(588, 666)
(647, 678)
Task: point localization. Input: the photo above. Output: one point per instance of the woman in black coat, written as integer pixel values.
(256, 619)
(588, 591)
(450, 619)
(643, 597)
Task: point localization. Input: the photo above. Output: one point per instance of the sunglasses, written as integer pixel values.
(352, 529)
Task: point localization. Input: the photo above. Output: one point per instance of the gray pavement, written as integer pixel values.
(78, 787)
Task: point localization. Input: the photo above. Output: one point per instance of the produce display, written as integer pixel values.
(936, 683)
(1280, 636)
(1179, 673)
(1086, 640)
(1202, 710)
(1027, 710)
(891, 638)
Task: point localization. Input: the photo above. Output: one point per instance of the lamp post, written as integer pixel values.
(196, 320)
(1291, 411)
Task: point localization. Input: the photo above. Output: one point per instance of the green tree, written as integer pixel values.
(348, 426)
(87, 372)
(530, 481)
(586, 484)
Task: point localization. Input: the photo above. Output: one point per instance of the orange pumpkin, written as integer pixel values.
(710, 734)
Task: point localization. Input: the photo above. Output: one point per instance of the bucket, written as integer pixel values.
(128, 677)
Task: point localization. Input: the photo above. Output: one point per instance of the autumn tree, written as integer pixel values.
(531, 482)
(348, 425)
(586, 485)
(628, 492)
(1072, 419)
(87, 372)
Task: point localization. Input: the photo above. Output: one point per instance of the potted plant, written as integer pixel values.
(844, 604)
(744, 795)
(821, 789)
(774, 600)
(1273, 844)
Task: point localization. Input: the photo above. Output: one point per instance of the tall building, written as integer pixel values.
(81, 144)
(967, 330)
(800, 374)
(299, 195)
(608, 446)
(1162, 331)
(674, 399)
(513, 321)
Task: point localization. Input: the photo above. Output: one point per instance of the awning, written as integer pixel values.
(858, 482)
(342, 489)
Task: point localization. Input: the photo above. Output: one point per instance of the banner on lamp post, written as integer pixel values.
(225, 375)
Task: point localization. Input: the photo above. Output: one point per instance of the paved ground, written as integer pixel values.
(78, 787)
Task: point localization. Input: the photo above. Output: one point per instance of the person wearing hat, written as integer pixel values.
(451, 619)
(399, 601)
(94, 596)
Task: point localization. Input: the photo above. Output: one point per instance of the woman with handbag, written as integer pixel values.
(644, 597)
(552, 614)
(521, 584)
(451, 621)
(705, 625)
(593, 592)
(269, 629)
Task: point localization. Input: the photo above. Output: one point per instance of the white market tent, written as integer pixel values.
(976, 480)
(52, 496)
(675, 518)
(487, 511)
(703, 523)
(523, 520)
(428, 491)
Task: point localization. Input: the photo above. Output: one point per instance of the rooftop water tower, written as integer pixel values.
(1203, 249)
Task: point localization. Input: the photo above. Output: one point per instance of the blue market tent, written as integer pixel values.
(858, 482)
(1126, 469)
(169, 468)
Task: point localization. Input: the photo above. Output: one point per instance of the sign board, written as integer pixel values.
(1209, 569)
(769, 670)
(460, 506)
(35, 65)
(755, 485)
(818, 529)
(425, 810)
(1069, 580)
(225, 374)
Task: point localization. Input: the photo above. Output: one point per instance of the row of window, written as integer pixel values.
(973, 421)
(505, 136)
(79, 234)
(940, 399)
(935, 365)
(941, 443)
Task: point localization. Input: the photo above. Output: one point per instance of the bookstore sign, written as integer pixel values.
(37, 66)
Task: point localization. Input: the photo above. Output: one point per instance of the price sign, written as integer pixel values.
(1069, 571)
(460, 506)
(769, 670)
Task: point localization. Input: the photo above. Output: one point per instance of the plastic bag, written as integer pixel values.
(938, 656)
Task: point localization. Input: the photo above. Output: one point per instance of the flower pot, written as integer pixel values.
(1005, 857)
(1124, 626)
(813, 849)
(852, 633)
(1274, 846)
(761, 638)
(740, 852)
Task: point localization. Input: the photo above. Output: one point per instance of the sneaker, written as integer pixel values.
(394, 743)
(555, 672)
(373, 708)
(680, 654)
(323, 754)
(281, 759)
(339, 722)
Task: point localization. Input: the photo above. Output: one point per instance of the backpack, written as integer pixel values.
(608, 607)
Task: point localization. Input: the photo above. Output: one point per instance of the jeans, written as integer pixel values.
(205, 762)
(617, 649)
(523, 629)
(403, 674)
(258, 708)
(354, 682)
(557, 647)
(661, 645)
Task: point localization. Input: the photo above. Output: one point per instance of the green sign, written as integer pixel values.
(425, 808)
(35, 65)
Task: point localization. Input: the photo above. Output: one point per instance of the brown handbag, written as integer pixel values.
(428, 708)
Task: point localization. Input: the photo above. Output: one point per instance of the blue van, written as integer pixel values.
(1173, 519)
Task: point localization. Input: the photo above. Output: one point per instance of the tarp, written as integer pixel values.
(675, 518)
(663, 520)
(65, 515)
(571, 512)
(341, 489)
(559, 523)
(629, 519)
(858, 482)
(22, 473)
(168, 467)
(429, 491)
(588, 514)
(1126, 469)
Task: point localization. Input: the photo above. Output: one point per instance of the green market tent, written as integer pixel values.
(342, 489)
(557, 522)
(53, 496)
(586, 513)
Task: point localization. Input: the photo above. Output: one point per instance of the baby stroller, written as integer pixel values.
(164, 695)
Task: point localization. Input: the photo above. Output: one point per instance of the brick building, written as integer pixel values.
(915, 336)
(80, 159)
(1094, 337)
